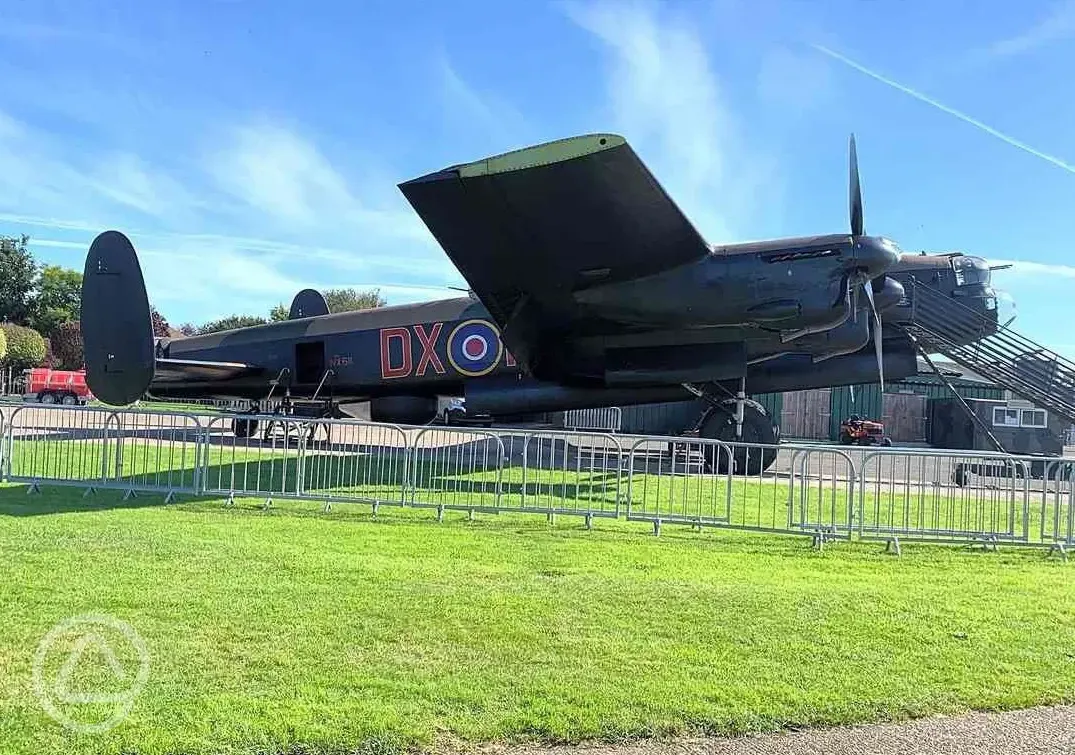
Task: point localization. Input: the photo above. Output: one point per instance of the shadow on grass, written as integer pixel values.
(455, 477)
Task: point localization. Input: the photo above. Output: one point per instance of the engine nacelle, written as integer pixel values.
(846, 338)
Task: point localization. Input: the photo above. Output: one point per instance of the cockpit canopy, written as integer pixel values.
(970, 271)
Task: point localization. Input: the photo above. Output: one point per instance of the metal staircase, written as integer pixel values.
(940, 324)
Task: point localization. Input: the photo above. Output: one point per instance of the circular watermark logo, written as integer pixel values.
(88, 670)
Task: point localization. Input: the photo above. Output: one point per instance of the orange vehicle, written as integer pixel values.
(49, 386)
(856, 431)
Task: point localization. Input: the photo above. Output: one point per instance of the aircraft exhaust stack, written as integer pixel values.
(117, 329)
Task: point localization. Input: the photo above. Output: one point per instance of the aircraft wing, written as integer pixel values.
(192, 370)
(529, 227)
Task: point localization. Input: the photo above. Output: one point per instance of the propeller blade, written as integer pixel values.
(877, 349)
(855, 191)
(852, 283)
(876, 335)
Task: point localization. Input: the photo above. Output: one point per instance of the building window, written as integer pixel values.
(1033, 418)
(1005, 417)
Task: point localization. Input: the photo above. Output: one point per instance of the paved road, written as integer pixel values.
(1036, 730)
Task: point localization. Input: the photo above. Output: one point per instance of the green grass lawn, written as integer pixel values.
(267, 630)
(295, 630)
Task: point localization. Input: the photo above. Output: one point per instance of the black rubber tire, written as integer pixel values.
(757, 428)
(244, 428)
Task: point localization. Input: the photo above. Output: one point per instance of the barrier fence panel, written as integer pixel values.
(158, 451)
(553, 472)
(819, 490)
(62, 445)
(1055, 507)
(679, 480)
(822, 500)
(605, 419)
(943, 496)
(261, 461)
(456, 469)
(350, 461)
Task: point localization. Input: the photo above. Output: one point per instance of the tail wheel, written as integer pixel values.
(757, 429)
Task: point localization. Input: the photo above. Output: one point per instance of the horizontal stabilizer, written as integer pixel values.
(193, 370)
(117, 332)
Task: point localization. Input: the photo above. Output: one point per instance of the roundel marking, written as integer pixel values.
(474, 348)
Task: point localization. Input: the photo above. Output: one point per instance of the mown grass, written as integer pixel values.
(291, 627)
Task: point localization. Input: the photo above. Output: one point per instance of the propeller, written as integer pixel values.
(858, 228)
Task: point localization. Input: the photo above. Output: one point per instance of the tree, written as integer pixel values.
(18, 275)
(161, 329)
(227, 323)
(188, 329)
(25, 346)
(66, 343)
(58, 299)
(350, 299)
(279, 313)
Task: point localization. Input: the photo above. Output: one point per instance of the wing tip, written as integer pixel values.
(533, 156)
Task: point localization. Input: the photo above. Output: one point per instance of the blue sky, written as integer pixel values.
(251, 149)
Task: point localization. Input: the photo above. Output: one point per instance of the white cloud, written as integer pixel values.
(1057, 25)
(243, 226)
(479, 111)
(1036, 268)
(665, 96)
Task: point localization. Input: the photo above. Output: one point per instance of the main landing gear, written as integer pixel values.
(742, 423)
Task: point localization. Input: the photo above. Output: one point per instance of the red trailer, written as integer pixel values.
(50, 386)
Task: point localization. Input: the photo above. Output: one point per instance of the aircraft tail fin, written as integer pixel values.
(308, 302)
(117, 330)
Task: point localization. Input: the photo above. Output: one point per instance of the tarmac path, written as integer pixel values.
(1022, 732)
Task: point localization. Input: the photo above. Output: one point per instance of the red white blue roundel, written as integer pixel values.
(474, 348)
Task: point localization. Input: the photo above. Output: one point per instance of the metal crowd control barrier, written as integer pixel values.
(455, 470)
(1056, 505)
(943, 496)
(574, 473)
(606, 419)
(822, 491)
(325, 460)
(784, 489)
(136, 451)
(158, 451)
(822, 500)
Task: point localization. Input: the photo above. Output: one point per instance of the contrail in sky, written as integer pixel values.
(945, 109)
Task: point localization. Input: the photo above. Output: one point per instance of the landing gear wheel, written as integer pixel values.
(757, 428)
